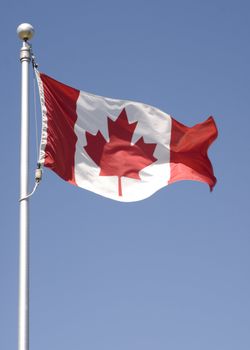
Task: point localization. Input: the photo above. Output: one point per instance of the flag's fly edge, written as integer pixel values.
(188, 152)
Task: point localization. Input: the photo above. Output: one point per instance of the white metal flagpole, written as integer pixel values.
(25, 32)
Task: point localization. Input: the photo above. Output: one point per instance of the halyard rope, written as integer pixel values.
(38, 173)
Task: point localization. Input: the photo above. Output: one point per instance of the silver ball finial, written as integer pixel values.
(25, 31)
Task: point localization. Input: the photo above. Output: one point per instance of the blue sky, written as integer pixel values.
(170, 272)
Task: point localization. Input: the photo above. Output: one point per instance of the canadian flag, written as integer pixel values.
(119, 149)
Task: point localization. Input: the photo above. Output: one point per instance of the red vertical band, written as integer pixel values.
(60, 102)
(188, 152)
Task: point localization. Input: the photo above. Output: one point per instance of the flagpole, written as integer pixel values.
(25, 32)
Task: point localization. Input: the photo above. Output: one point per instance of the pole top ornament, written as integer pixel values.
(25, 31)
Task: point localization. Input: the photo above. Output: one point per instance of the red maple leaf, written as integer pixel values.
(118, 157)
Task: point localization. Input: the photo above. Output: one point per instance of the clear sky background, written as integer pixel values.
(169, 272)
